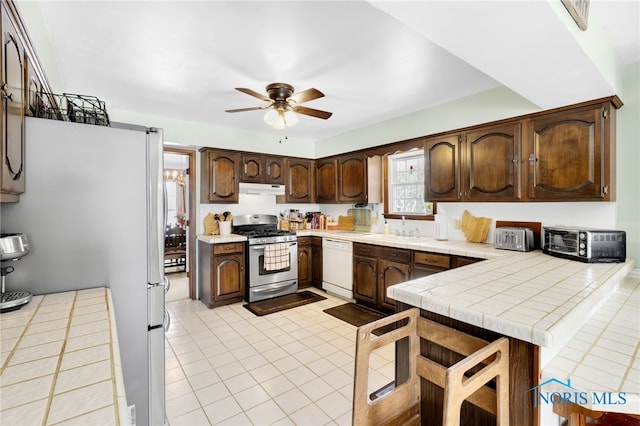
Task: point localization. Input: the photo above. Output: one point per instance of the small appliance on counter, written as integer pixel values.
(585, 245)
(12, 247)
(514, 238)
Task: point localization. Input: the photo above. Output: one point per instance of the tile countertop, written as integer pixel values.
(60, 361)
(459, 248)
(604, 355)
(221, 239)
(583, 316)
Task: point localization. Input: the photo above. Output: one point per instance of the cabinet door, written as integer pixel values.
(299, 174)
(365, 279)
(565, 156)
(12, 92)
(219, 177)
(274, 170)
(391, 273)
(326, 180)
(316, 261)
(304, 261)
(442, 168)
(352, 179)
(491, 166)
(252, 168)
(228, 276)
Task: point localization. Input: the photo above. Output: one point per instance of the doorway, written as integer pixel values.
(179, 175)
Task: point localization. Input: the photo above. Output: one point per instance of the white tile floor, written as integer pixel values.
(226, 366)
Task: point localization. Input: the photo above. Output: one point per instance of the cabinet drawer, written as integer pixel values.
(365, 250)
(228, 248)
(395, 255)
(432, 259)
(304, 241)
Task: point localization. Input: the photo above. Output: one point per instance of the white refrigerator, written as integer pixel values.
(93, 211)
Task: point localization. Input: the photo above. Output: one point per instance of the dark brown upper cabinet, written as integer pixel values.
(12, 74)
(219, 178)
(571, 155)
(327, 180)
(260, 168)
(352, 178)
(442, 168)
(342, 179)
(491, 164)
(299, 180)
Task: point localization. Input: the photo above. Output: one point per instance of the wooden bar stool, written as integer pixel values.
(462, 381)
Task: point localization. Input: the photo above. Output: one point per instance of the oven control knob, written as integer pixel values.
(582, 236)
(582, 245)
(581, 252)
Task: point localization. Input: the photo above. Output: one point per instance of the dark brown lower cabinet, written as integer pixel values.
(375, 268)
(221, 277)
(316, 262)
(304, 262)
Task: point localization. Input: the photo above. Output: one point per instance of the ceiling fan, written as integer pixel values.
(284, 104)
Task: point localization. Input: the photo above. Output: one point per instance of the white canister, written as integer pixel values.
(442, 226)
(225, 227)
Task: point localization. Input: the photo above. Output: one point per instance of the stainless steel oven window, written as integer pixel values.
(259, 276)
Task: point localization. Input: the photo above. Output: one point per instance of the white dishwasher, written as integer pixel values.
(337, 267)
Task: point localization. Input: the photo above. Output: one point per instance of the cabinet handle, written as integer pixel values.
(245, 168)
(532, 159)
(516, 159)
(9, 96)
(268, 170)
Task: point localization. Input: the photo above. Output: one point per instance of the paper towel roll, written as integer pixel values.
(442, 226)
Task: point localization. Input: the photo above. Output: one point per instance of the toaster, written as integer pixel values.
(514, 238)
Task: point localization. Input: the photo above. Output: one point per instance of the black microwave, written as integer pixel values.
(585, 245)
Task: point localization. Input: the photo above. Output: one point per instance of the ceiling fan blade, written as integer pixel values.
(306, 96)
(253, 93)
(312, 112)
(246, 109)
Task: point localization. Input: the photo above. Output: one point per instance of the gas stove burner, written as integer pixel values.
(257, 233)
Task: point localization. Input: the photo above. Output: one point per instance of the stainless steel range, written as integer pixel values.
(272, 257)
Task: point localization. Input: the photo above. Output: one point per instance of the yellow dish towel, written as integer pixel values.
(276, 257)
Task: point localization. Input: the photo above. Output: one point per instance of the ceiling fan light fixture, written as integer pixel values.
(290, 118)
(271, 117)
(280, 117)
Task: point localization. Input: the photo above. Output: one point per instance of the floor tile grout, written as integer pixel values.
(242, 357)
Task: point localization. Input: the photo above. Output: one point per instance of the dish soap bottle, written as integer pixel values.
(386, 227)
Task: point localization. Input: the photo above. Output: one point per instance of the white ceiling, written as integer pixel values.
(373, 60)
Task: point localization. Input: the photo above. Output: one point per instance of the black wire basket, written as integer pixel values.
(70, 107)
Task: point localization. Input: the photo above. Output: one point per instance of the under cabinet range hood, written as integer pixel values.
(261, 189)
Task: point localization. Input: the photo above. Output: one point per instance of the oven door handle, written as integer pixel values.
(271, 287)
(262, 247)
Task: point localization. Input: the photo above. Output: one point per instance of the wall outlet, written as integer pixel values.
(456, 224)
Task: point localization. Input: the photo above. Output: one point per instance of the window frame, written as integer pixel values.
(386, 173)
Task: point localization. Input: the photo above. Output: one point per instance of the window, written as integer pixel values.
(405, 178)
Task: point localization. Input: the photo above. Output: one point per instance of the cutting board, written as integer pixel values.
(475, 229)
(346, 223)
